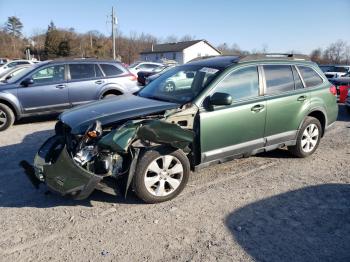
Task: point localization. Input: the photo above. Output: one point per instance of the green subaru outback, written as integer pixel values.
(232, 107)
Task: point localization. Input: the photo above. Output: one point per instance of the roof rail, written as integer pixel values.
(274, 56)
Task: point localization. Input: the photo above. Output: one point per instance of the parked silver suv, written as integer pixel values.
(54, 86)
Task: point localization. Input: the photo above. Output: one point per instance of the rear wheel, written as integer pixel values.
(109, 96)
(308, 139)
(7, 117)
(161, 175)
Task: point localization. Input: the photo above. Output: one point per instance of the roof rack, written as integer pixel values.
(274, 56)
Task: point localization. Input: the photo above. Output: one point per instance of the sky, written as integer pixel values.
(281, 25)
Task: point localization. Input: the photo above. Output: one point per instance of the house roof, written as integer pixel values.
(174, 47)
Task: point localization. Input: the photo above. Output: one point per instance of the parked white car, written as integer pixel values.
(143, 66)
(14, 63)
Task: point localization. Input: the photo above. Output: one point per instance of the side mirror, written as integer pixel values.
(26, 82)
(189, 75)
(220, 99)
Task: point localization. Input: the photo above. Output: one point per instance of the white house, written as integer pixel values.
(181, 52)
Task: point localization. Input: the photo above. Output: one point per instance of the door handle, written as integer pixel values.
(257, 108)
(302, 98)
(60, 86)
(98, 82)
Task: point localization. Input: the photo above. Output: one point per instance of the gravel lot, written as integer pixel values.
(271, 207)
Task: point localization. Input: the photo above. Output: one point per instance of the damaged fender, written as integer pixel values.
(155, 131)
(55, 166)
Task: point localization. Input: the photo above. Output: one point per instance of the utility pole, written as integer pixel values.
(114, 22)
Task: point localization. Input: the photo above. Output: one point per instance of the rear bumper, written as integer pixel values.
(54, 166)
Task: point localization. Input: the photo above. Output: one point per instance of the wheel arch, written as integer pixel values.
(12, 106)
(112, 90)
(320, 114)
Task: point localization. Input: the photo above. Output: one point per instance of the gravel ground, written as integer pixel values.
(271, 207)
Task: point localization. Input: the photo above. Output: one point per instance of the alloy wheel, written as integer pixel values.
(163, 175)
(310, 138)
(3, 118)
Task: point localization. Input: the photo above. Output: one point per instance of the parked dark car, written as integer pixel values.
(54, 86)
(143, 75)
(231, 107)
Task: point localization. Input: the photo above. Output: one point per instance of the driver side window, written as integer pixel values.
(241, 84)
(49, 75)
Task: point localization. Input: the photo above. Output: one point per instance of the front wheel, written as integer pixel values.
(308, 139)
(161, 175)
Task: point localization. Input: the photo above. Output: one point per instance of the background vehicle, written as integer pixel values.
(143, 75)
(143, 66)
(14, 63)
(343, 85)
(54, 86)
(230, 107)
(347, 102)
(3, 61)
(337, 71)
(6, 75)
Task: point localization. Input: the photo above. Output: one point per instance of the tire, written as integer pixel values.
(7, 117)
(308, 139)
(109, 96)
(150, 168)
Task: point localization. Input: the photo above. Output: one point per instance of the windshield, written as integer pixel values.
(20, 74)
(180, 84)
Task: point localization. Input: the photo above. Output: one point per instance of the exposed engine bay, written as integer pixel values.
(74, 164)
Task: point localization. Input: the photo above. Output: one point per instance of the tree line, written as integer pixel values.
(58, 42)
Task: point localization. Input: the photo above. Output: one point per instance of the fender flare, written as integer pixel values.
(108, 88)
(14, 103)
(314, 109)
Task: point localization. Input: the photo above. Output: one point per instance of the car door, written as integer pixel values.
(48, 92)
(237, 128)
(84, 82)
(287, 100)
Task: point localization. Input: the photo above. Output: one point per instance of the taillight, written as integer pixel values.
(132, 77)
(333, 90)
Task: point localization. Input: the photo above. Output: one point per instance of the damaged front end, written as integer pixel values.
(75, 164)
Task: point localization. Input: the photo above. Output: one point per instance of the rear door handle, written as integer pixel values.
(257, 108)
(98, 82)
(60, 86)
(302, 98)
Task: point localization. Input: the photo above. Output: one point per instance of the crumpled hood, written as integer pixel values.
(112, 110)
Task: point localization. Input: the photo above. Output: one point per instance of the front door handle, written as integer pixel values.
(60, 86)
(98, 82)
(257, 108)
(302, 98)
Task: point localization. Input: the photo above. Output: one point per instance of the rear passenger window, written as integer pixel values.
(84, 71)
(241, 84)
(279, 78)
(111, 70)
(297, 80)
(311, 78)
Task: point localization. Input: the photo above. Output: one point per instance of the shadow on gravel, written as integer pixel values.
(37, 119)
(309, 224)
(16, 190)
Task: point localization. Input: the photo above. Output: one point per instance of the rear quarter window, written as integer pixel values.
(310, 77)
(111, 70)
(84, 71)
(279, 78)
